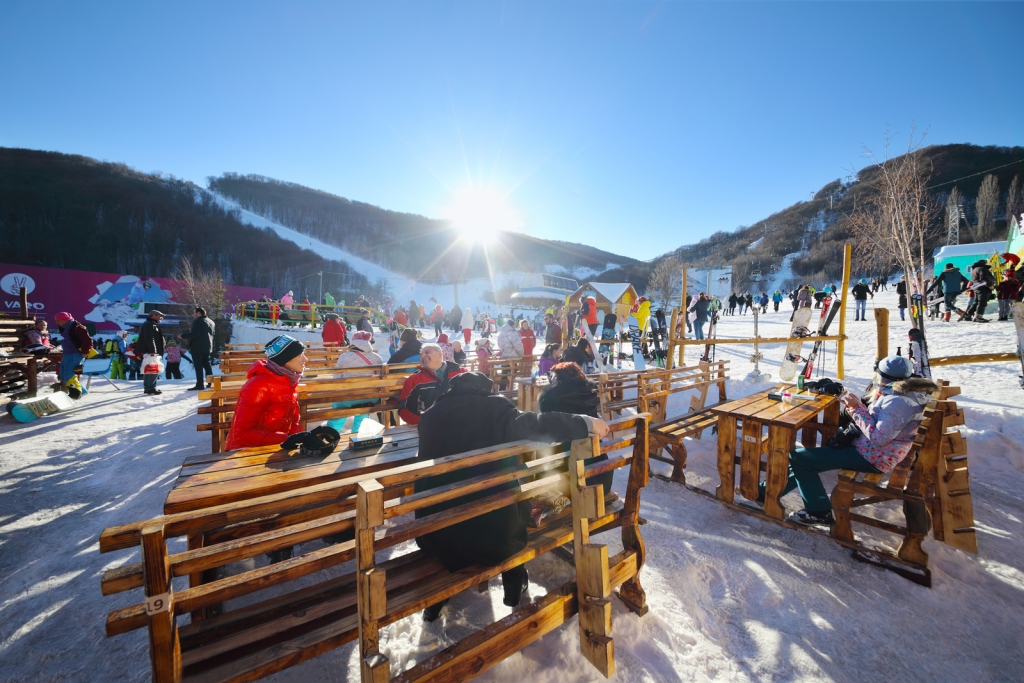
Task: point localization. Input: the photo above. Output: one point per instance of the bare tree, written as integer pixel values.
(988, 201)
(664, 281)
(197, 286)
(1014, 201)
(893, 227)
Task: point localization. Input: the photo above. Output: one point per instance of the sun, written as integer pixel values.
(479, 214)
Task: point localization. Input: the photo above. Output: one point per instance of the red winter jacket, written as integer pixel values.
(333, 333)
(1009, 288)
(421, 389)
(589, 310)
(267, 411)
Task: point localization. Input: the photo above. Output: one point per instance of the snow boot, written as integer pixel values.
(809, 518)
(431, 613)
(515, 582)
(979, 319)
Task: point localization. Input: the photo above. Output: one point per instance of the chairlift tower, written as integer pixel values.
(953, 232)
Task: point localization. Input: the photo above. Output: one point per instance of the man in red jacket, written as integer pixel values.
(334, 330)
(267, 411)
(426, 385)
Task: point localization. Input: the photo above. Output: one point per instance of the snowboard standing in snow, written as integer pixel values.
(917, 351)
(659, 316)
(594, 348)
(634, 336)
(1017, 310)
(709, 349)
(829, 308)
(608, 337)
(801, 318)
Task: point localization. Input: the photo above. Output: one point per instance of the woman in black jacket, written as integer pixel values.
(571, 392)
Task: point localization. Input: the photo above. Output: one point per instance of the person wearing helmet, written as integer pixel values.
(885, 421)
(861, 290)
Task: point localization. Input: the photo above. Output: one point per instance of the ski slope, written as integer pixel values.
(731, 597)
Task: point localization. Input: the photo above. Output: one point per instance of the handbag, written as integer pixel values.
(152, 364)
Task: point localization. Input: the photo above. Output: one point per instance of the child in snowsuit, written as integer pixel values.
(173, 367)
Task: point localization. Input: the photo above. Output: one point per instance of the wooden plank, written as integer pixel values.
(750, 458)
(726, 458)
(164, 647)
(779, 440)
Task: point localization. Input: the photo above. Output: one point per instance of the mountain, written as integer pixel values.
(410, 244)
(68, 211)
(813, 232)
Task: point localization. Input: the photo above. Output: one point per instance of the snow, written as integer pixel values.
(611, 291)
(731, 597)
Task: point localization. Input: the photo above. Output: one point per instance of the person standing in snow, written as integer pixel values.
(437, 319)
(527, 336)
(119, 362)
(901, 290)
(333, 332)
(509, 341)
(328, 299)
(200, 343)
(364, 324)
(982, 282)
(887, 420)
(732, 304)
(75, 345)
(151, 342)
(951, 283)
(552, 330)
(764, 302)
(777, 299)
(1008, 290)
(467, 324)
(860, 297)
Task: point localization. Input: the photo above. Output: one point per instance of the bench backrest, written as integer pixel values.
(362, 502)
(657, 385)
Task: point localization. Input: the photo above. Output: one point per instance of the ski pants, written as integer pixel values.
(950, 300)
(1004, 307)
(982, 297)
(117, 368)
(902, 309)
(776, 306)
(860, 309)
(466, 334)
(68, 363)
(698, 328)
(149, 382)
(805, 466)
(173, 370)
(201, 361)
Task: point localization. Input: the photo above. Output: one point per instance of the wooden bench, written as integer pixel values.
(655, 389)
(17, 370)
(932, 483)
(277, 631)
(238, 379)
(611, 386)
(319, 358)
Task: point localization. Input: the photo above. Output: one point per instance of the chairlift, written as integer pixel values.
(755, 275)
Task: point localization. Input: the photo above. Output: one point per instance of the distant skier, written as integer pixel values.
(764, 302)
(982, 282)
(777, 299)
(732, 304)
(749, 302)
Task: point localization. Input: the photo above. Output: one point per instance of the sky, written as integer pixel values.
(635, 127)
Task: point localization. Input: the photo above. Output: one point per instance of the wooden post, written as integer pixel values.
(881, 333)
(23, 301)
(847, 257)
(164, 646)
(371, 584)
(672, 341)
(593, 583)
(682, 331)
(631, 592)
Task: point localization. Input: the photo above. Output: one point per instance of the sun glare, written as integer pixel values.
(480, 213)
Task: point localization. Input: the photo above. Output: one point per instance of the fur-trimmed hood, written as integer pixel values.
(914, 385)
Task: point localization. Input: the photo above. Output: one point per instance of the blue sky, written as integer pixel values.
(632, 126)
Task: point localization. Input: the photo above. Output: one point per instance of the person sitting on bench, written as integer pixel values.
(885, 425)
(571, 392)
(267, 411)
(424, 386)
(468, 417)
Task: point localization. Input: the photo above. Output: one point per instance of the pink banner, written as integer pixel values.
(109, 301)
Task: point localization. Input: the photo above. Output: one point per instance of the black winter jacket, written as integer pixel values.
(151, 339)
(408, 350)
(468, 417)
(578, 397)
(200, 338)
(861, 291)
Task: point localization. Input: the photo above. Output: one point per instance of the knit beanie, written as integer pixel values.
(62, 318)
(283, 349)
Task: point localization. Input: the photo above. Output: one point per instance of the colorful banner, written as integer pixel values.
(109, 301)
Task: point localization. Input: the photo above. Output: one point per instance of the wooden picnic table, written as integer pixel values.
(757, 414)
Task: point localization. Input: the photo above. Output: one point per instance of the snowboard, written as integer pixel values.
(594, 348)
(829, 308)
(634, 337)
(33, 408)
(659, 316)
(608, 337)
(801, 318)
(1017, 310)
(657, 338)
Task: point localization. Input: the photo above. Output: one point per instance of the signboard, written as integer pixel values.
(108, 300)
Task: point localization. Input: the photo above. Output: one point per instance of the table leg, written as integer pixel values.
(750, 458)
(809, 434)
(779, 440)
(726, 458)
(831, 422)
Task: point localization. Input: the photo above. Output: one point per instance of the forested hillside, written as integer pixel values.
(407, 243)
(67, 211)
(817, 228)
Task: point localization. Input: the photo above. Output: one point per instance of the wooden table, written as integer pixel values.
(218, 478)
(757, 414)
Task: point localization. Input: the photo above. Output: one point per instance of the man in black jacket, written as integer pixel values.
(200, 343)
(151, 341)
(469, 417)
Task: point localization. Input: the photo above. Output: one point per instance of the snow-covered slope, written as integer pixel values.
(731, 597)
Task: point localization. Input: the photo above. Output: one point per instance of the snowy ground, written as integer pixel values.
(732, 598)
